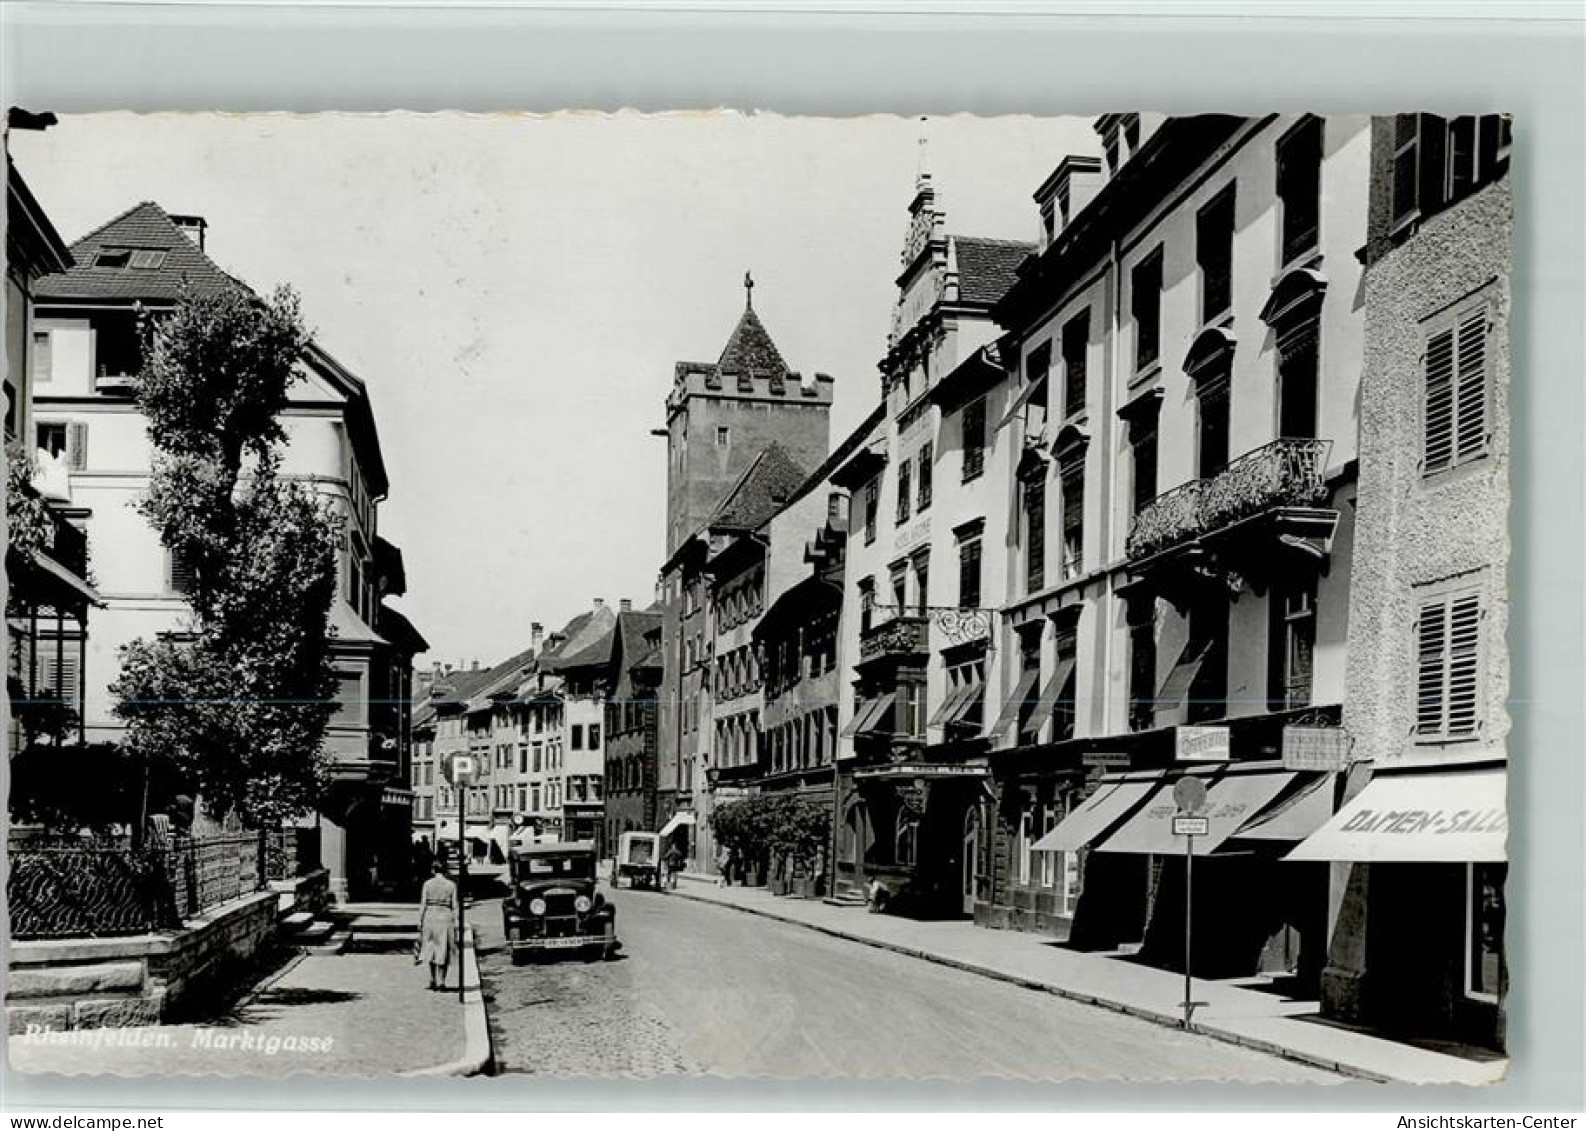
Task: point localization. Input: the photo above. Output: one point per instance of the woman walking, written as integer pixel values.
(437, 924)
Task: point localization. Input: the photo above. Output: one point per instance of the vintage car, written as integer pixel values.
(638, 860)
(554, 905)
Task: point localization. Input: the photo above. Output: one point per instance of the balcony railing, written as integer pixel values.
(1170, 518)
(903, 635)
(1284, 473)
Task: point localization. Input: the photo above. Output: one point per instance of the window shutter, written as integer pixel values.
(77, 445)
(1464, 662)
(1406, 165)
(1438, 424)
(1471, 437)
(1431, 668)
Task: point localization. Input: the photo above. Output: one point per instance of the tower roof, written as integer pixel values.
(751, 350)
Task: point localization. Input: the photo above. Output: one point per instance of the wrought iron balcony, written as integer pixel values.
(903, 635)
(1170, 518)
(1284, 473)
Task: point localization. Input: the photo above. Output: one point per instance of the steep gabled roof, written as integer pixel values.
(631, 630)
(587, 643)
(456, 688)
(751, 350)
(143, 227)
(987, 268)
(764, 488)
(504, 677)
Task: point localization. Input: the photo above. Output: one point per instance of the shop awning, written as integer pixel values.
(1015, 703)
(1449, 816)
(481, 833)
(501, 841)
(446, 828)
(677, 821)
(524, 836)
(1295, 818)
(77, 587)
(1050, 695)
(921, 771)
(870, 714)
(1113, 798)
(1231, 800)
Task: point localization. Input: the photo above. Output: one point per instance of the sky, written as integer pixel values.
(514, 291)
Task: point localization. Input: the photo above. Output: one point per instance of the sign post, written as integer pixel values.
(1190, 796)
(460, 770)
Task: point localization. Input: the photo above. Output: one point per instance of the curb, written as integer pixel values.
(1166, 1020)
(478, 1057)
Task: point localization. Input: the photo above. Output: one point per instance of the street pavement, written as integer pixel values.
(352, 1014)
(706, 989)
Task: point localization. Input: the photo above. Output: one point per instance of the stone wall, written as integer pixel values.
(61, 984)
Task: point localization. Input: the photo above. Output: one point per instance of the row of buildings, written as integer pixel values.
(72, 356)
(1208, 480)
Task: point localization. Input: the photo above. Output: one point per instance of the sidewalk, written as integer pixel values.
(1232, 1010)
(360, 1012)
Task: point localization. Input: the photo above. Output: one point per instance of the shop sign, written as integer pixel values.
(1437, 822)
(1201, 744)
(1324, 749)
(1105, 759)
(1191, 826)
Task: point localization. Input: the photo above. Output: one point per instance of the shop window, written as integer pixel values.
(1023, 857)
(1300, 187)
(1484, 925)
(1458, 378)
(1449, 662)
(973, 421)
(1047, 861)
(1214, 254)
(1292, 642)
(1145, 304)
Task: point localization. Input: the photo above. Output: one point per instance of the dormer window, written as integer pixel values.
(138, 258)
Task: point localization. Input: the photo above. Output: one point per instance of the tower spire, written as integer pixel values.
(748, 291)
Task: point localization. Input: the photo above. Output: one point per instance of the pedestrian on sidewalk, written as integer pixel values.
(674, 865)
(437, 924)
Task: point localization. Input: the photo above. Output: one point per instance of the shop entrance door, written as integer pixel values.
(969, 858)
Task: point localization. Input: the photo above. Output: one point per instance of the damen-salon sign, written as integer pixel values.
(1438, 822)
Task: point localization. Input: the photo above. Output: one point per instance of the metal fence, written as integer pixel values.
(291, 852)
(93, 889)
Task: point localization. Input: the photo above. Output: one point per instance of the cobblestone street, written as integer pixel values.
(706, 989)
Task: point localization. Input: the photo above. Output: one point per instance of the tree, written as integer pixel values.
(238, 702)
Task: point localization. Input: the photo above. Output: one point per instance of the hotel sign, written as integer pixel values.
(1105, 759)
(1201, 744)
(1325, 749)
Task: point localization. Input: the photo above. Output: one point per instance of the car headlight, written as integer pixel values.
(582, 904)
(536, 907)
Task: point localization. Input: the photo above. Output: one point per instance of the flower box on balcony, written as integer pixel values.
(1168, 519)
(1284, 473)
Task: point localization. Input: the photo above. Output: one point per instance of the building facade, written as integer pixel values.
(86, 359)
(1188, 344)
(926, 523)
(721, 417)
(631, 739)
(1416, 934)
(48, 597)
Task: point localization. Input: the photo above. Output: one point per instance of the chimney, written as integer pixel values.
(193, 227)
(600, 602)
(476, 665)
(625, 605)
(536, 635)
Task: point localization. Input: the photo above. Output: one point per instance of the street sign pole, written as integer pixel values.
(462, 872)
(1189, 793)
